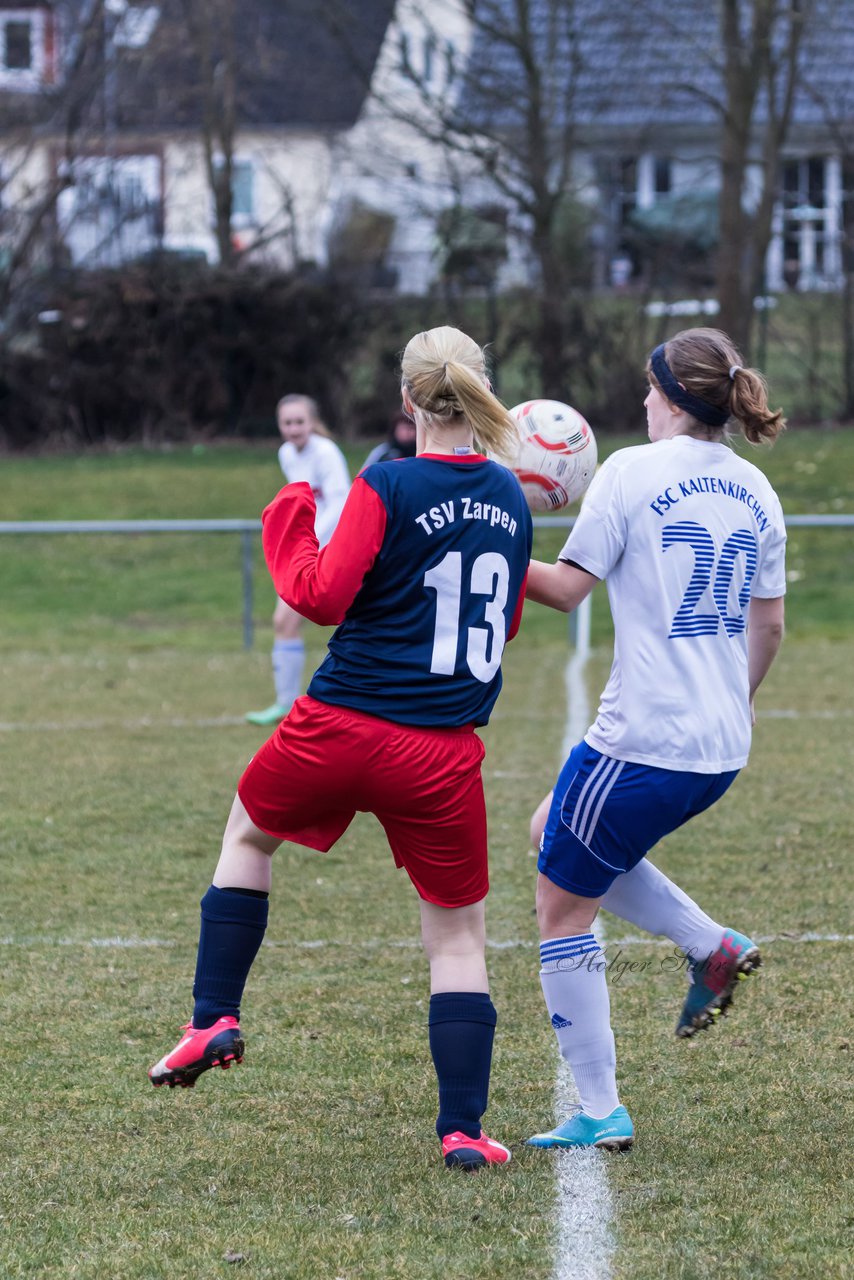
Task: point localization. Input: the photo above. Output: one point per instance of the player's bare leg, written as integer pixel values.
(462, 1026)
(246, 858)
(234, 918)
(539, 819)
(454, 941)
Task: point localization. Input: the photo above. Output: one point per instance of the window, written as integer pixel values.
(815, 182)
(807, 222)
(242, 190)
(847, 215)
(627, 189)
(112, 211)
(429, 63)
(26, 49)
(804, 186)
(135, 26)
(18, 50)
(421, 57)
(662, 178)
(404, 66)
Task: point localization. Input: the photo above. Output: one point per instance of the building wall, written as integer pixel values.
(288, 176)
(389, 161)
(25, 175)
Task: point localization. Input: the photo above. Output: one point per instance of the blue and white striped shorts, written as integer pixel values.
(607, 814)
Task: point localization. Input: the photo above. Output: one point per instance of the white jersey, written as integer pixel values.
(685, 532)
(322, 465)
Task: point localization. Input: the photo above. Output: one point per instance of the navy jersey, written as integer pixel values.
(422, 641)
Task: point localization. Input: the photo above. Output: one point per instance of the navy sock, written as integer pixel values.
(462, 1027)
(233, 926)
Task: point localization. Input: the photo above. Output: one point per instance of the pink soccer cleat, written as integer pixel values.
(197, 1051)
(462, 1152)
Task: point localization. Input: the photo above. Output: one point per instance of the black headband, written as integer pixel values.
(704, 412)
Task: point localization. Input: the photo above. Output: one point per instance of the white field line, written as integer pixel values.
(119, 943)
(836, 713)
(631, 940)
(137, 723)
(585, 1242)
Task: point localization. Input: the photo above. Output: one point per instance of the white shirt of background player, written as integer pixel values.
(304, 455)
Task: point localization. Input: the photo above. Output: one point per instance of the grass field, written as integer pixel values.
(123, 680)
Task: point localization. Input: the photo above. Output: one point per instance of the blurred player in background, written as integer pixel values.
(425, 574)
(400, 442)
(691, 540)
(306, 454)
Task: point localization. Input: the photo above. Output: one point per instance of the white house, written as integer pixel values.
(111, 113)
(121, 109)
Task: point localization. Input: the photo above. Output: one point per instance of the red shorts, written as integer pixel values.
(325, 763)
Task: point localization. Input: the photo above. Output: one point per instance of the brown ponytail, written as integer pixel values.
(749, 406)
(708, 364)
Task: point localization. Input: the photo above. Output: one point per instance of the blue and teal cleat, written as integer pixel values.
(714, 980)
(614, 1133)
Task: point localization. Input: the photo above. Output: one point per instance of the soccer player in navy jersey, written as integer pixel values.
(691, 539)
(425, 577)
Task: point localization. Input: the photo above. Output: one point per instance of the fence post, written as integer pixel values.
(246, 567)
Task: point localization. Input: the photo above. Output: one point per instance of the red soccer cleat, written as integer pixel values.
(462, 1152)
(197, 1051)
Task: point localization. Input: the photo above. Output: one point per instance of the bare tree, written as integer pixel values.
(501, 115)
(761, 42)
(40, 137)
(210, 28)
(835, 103)
(216, 55)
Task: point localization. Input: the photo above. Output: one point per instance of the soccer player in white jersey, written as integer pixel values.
(306, 454)
(691, 540)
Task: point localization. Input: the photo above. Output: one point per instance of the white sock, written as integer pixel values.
(645, 897)
(288, 661)
(573, 982)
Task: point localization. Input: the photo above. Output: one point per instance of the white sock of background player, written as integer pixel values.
(288, 662)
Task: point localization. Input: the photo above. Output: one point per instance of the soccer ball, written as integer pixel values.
(557, 453)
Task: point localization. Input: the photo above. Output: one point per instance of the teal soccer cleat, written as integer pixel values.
(615, 1133)
(713, 982)
(269, 716)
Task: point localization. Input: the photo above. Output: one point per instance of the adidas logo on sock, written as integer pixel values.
(558, 1022)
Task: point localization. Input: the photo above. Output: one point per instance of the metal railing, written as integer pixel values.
(249, 528)
(246, 528)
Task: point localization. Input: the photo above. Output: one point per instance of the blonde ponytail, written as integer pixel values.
(444, 372)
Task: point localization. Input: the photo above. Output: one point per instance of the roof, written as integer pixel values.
(635, 64)
(294, 66)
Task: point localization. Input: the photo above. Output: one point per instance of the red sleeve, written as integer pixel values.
(321, 584)
(517, 616)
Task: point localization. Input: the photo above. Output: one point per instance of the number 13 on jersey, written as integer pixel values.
(459, 603)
